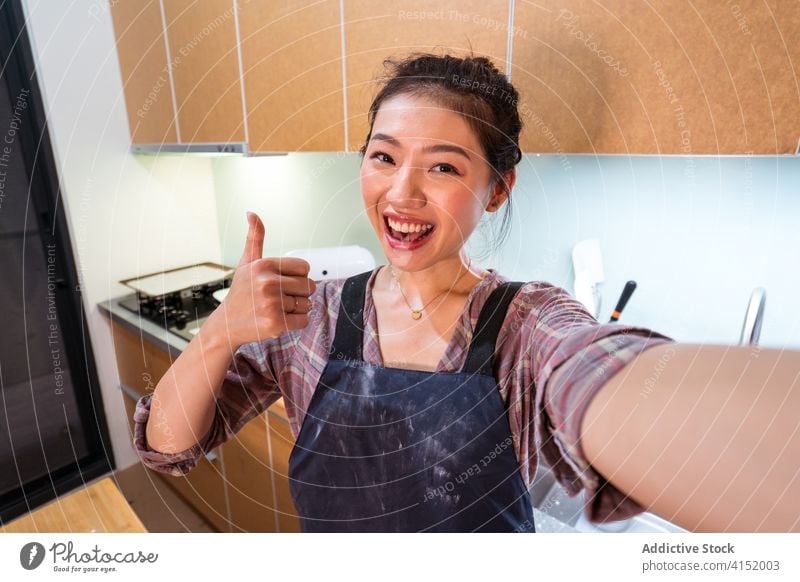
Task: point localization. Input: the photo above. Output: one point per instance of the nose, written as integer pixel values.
(406, 190)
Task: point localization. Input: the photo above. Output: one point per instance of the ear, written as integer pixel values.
(501, 191)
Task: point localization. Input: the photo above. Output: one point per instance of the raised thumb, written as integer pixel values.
(254, 245)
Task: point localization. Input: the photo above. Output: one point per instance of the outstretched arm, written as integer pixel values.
(706, 436)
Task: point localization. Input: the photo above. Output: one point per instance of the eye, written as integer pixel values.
(377, 154)
(451, 171)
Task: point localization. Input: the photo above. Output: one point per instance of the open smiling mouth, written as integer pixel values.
(416, 232)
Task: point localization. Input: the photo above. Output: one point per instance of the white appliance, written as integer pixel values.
(335, 262)
(328, 263)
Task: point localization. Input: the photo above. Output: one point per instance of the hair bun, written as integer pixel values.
(471, 85)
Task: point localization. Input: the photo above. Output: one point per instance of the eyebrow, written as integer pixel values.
(442, 147)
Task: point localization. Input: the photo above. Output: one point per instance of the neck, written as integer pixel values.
(452, 275)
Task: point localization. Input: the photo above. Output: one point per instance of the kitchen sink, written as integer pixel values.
(556, 512)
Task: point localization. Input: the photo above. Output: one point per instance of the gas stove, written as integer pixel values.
(179, 300)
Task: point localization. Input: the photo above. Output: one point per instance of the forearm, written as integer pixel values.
(706, 436)
(183, 404)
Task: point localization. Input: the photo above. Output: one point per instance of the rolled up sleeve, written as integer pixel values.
(574, 358)
(250, 385)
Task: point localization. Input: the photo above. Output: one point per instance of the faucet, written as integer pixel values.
(751, 329)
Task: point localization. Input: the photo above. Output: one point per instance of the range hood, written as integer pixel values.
(211, 149)
(215, 148)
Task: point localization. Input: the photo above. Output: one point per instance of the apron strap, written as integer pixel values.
(348, 338)
(490, 320)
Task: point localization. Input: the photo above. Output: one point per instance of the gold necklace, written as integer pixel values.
(417, 313)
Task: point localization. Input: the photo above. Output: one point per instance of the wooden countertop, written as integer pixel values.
(99, 507)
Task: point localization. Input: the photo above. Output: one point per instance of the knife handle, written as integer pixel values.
(630, 287)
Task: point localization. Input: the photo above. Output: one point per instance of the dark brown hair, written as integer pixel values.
(471, 86)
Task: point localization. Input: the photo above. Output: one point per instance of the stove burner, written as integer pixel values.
(181, 312)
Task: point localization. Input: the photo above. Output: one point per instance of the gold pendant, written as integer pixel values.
(415, 314)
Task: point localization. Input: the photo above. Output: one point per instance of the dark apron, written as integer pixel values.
(395, 450)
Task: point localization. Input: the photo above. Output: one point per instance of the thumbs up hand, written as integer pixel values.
(267, 297)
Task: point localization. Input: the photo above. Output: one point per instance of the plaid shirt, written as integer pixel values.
(552, 357)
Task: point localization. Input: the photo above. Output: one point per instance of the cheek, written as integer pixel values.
(370, 187)
(465, 216)
(370, 194)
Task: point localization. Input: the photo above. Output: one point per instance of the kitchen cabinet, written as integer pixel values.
(612, 77)
(665, 78)
(234, 488)
(180, 70)
(203, 487)
(142, 54)
(204, 61)
(140, 366)
(251, 483)
(375, 30)
(292, 62)
(281, 444)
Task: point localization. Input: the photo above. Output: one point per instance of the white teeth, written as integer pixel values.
(407, 227)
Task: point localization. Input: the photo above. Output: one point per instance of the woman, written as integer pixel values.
(421, 392)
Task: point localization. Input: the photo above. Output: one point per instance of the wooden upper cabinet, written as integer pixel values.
(141, 50)
(204, 60)
(292, 62)
(375, 30)
(705, 77)
(674, 78)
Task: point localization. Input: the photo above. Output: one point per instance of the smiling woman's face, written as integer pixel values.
(423, 171)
